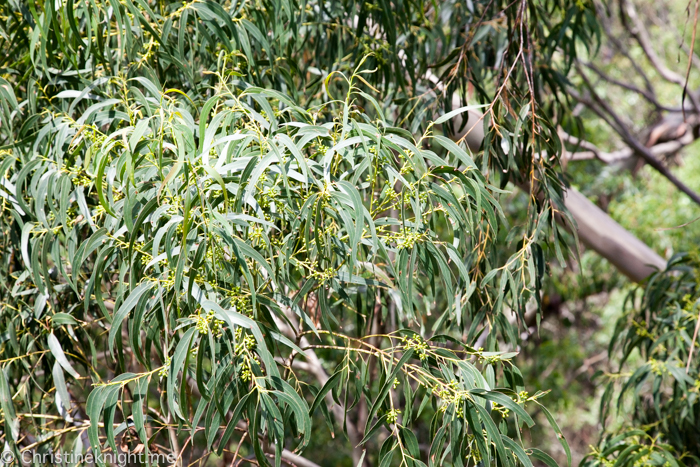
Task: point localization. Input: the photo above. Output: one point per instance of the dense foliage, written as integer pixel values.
(230, 228)
(662, 389)
(211, 248)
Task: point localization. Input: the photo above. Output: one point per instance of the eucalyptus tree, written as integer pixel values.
(230, 228)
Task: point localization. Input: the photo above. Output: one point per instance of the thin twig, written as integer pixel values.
(238, 448)
(645, 93)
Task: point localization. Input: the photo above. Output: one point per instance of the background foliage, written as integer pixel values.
(591, 298)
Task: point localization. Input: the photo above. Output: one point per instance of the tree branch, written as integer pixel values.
(639, 32)
(664, 149)
(645, 93)
(601, 108)
(601, 233)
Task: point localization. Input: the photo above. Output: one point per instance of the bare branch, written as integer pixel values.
(602, 234)
(639, 32)
(664, 149)
(645, 93)
(621, 48)
(296, 460)
(601, 108)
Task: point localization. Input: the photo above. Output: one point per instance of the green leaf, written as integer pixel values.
(231, 426)
(505, 401)
(455, 150)
(456, 112)
(140, 394)
(60, 357)
(493, 434)
(93, 407)
(557, 430)
(519, 451)
(8, 408)
(542, 456)
(389, 382)
(63, 399)
(176, 364)
(110, 409)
